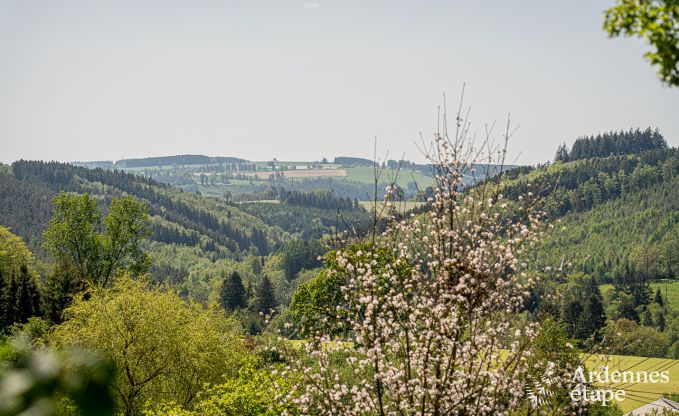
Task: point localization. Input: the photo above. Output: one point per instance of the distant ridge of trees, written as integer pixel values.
(176, 160)
(612, 143)
(352, 161)
(321, 198)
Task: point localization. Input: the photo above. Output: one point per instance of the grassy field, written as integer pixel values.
(668, 288)
(637, 394)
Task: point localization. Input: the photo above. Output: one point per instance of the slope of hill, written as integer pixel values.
(220, 229)
(617, 214)
(640, 229)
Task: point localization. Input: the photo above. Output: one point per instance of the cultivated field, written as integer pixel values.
(638, 394)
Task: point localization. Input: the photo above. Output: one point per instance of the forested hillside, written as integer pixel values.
(180, 217)
(617, 212)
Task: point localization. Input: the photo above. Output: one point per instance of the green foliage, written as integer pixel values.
(656, 21)
(625, 337)
(14, 254)
(162, 348)
(553, 345)
(265, 297)
(312, 306)
(622, 237)
(60, 288)
(19, 290)
(298, 255)
(98, 250)
(39, 383)
(583, 309)
(232, 293)
(255, 392)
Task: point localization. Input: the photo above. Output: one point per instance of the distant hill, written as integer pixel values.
(182, 160)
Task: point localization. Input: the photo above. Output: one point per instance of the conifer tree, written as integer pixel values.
(60, 289)
(232, 293)
(27, 297)
(660, 322)
(265, 298)
(593, 315)
(658, 298)
(4, 307)
(12, 300)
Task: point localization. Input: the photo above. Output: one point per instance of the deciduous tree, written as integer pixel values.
(162, 347)
(99, 249)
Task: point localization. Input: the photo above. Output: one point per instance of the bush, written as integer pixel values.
(626, 337)
(256, 392)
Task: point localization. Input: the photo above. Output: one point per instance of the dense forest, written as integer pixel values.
(176, 160)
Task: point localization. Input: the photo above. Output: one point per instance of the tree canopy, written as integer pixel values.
(99, 249)
(162, 347)
(656, 21)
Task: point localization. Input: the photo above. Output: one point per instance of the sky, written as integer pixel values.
(303, 80)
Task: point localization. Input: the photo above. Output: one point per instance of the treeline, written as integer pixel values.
(309, 214)
(342, 188)
(612, 143)
(307, 222)
(176, 160)
(321, 198)
(352, 161)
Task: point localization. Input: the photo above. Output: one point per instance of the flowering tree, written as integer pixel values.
(430, 305)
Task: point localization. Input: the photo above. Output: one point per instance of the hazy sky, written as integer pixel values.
(295, 79)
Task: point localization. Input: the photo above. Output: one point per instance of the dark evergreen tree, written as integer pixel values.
(265, 297)
(635, 286)
(12, 300)
(660, 322)
(561, 153)
(593, 317)
(27, 297)
(59, 290)
(570, 314)
(646, 318)
(232, 293)
(658, 298)
(4, 307)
